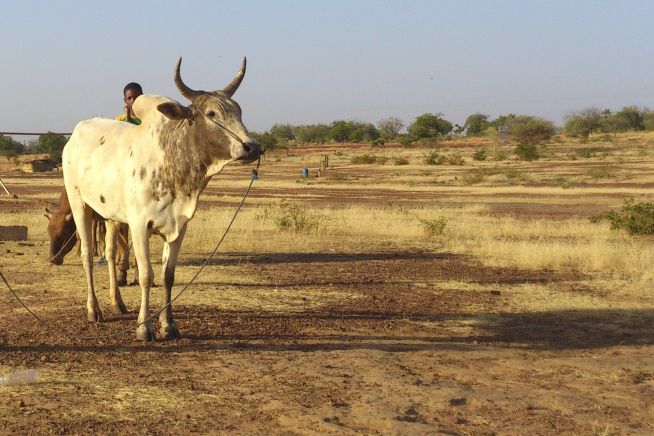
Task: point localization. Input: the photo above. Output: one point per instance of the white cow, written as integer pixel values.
(150, 176)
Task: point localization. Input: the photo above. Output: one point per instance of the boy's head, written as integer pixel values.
(130, 92)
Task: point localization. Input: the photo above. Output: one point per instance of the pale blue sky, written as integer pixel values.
(310, 61)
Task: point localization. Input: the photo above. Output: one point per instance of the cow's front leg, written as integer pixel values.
(168, 329)
(140, 237)
(117, 305)
(83, 216)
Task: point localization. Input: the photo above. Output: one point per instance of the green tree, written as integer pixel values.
(476, 124)
(502, 120)
(628, 118)
(312, 133)
(429, 125)
(53, 144)
(648, 120)
(9, 147)
(585, 122)
(283, 131)
(353, 131)
(267, 140)
(390, 127)
(530, 130)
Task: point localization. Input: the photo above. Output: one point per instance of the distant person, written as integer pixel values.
(130, 92)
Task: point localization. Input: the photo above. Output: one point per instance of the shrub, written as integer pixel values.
(601, 172)
(406, 141)
(480, 154)
(401, 161)
(500, 156)
(474, 177)
(368, 158)
(530, 130)
(434, 227)
(379, 142)
(527, 152)
(635, 218)
(455, 159)
(588, 152)
(294, 217)
(433, 158)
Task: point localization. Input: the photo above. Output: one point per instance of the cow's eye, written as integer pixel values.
(211, 114)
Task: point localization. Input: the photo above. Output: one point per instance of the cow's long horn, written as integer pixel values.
(185, 90)
(230, 89)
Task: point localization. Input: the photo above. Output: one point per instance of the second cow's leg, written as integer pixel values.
(117, 305)
(122, 253)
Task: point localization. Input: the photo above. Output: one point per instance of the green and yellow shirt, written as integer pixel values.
(133, 120)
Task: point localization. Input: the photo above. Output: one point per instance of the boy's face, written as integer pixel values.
(130, 96)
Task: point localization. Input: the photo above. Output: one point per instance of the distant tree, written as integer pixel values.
(585, 122)
(53, 144)
(502, 120)
(648, 120)
(9, 147)
(429, 125)
(340, 131)
(312, 133)
(353, 131)
(283, 132)
(266, 139)
(628, 118)
(530, 130)
(476, 124)
(390, 127)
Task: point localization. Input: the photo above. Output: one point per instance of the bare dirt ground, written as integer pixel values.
(364, 342)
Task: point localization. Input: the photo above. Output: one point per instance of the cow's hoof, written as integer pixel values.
(145, 334)
(170, 331)
(122, 278)
(95, 316)
(119, 308)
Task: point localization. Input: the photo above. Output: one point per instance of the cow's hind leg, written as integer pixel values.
(168, 328)
(83, 216)
(140, 237)
(117, 305)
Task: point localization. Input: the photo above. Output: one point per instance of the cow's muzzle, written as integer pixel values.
(251, 152)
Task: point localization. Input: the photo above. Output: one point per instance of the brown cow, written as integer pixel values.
(63, 237)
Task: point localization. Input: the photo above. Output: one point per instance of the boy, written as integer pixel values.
(130, 92)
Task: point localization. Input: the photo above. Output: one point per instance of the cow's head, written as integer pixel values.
(218, 118)
(61, 229)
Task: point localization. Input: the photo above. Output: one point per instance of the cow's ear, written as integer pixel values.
(175, 111)
(47, 213)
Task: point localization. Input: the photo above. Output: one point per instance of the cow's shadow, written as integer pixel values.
(538, 331)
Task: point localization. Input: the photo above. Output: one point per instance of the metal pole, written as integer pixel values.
(6, 190)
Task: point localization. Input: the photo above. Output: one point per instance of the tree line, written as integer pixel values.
(523, 129)
(50, 143)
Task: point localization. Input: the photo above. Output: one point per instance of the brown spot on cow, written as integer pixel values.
(102, 198)
(142, 173)
(150, 224)
(102, 140)
(133, 172)
(131, 152)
